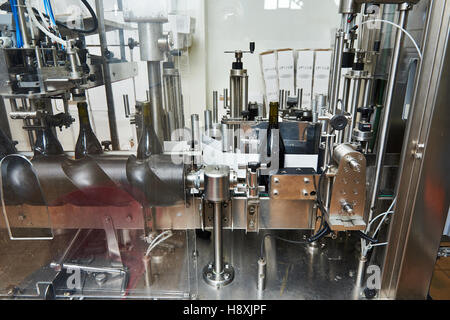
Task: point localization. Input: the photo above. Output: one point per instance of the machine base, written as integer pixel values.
(218, 280)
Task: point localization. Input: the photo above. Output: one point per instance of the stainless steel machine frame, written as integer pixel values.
(132, 205)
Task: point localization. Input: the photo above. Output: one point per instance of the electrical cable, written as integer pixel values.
(91, 12)
(402, 29)
(159, 239)
(366, 237)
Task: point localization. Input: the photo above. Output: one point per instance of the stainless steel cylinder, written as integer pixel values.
(227, 138)
(349, 7)
(261, 274)
(217, 183)
(341, 151)
(238, 92)
(149, 35)
(208, 122)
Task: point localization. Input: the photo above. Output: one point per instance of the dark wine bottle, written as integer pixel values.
(46, 143)
(148, 142)
(87, 143)
(275, 144)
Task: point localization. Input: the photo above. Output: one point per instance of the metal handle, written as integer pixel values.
(126, 105)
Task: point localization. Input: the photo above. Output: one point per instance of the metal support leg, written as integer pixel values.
(218, 273)
(112, 242)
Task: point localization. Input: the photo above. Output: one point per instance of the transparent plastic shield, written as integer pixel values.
(24, 206)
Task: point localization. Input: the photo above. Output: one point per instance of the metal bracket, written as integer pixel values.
(252, 215)
(112, 242)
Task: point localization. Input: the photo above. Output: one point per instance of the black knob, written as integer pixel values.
(253, 166)
(370, 293)
(339, 122)
(106, 145)
(252, 47)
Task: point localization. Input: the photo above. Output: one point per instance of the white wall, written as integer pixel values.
(232, 24)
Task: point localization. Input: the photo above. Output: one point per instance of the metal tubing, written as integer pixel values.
(22, 24)
(387, 111)
(107, 76)
(218, 257)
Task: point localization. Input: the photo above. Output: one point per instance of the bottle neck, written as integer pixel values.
(148, 142)
(83, 116)
(273, 115)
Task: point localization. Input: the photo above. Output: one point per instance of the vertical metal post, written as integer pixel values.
(121, 34)
(215, 107)
(107, 76)
(218, 252)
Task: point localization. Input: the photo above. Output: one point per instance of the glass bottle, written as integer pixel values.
(148, 142)
(275, 148)
(87, 143)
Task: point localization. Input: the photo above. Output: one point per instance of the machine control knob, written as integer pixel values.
(339, 122)
(106, 145)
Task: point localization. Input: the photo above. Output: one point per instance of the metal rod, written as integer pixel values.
(208, 122)
(215, 107)
(225, 98)
(218, 257)
(354, 107)
(147, 261)
(195, 128)
(387, 110)
(261, 274)
(121, 34)
(107, 76)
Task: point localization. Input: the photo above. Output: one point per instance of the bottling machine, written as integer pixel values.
(345, 198)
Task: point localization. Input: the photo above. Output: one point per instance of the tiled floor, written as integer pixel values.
(440, 284)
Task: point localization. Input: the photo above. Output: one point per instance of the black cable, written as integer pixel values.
(63, 25)
(366, 237)
(320, 234)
